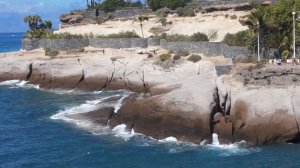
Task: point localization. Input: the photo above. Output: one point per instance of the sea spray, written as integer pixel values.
(215, 139)
(19, 84)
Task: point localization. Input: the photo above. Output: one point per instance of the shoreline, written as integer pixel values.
(188, 101)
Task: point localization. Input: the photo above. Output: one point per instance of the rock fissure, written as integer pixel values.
(293, 108)
(30, 67)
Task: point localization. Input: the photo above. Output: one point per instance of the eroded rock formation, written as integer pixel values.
(187, 101)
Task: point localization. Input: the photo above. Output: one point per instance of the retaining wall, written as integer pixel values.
(122, 13)
(57, 44)
(207, 48)
(119, 43)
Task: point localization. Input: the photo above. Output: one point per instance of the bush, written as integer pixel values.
(62, 36)
(176, 57)
(51, 53)
(157, 30)
(162, 12)
(185, 12)
(242, 38)
(285, 55)
(194, 58)
(81, 50)
(163, 21)
(127, 34)
(172, 4)
(199, 37)
(165, 57)
(112, 5)
(181, 37)
(183, 53)
(212, 35)
(175, 37)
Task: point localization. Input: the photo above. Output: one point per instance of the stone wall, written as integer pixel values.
(119, 43)
(92, 13)
(207, 48)
(223, 69)
(54, 44)
(205, 3)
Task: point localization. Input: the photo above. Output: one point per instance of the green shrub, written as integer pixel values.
(172, 4)
(62, 36)
(165, 57)
(51, 53)
(194, 58)
(81, 50)
(175, 37)
(181, 37)
(112, 5)
(285, 55)
(212, 35)
(176, 57)
(199, 37)
(163, 21)
(185, 12)
(183, 53)
(242, 38)
(128, 34)
(162, 12)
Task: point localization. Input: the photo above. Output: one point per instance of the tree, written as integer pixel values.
(275, 25)
(48, 24)
(33, 21)
(37, 28)
(141, 20)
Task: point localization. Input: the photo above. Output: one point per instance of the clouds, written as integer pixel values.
(12, 12)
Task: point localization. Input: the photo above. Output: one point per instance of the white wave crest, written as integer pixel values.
(238, 148)
(19, 83)
(83, 108)
(168, 139)
(122, 132)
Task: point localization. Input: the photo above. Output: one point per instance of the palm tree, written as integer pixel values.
(141, 20)
(33, 21)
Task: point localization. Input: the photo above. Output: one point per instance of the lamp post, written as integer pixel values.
(294, 36)
(258, 41)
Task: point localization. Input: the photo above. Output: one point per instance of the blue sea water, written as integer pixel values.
(10, 42)
(33, 134)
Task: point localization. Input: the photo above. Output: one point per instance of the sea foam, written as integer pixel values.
(19, 83)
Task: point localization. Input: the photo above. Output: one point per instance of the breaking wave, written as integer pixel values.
(19, 84)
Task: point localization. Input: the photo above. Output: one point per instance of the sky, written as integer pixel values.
(12, 12)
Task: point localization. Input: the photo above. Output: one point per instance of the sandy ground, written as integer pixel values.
(221, 21)
(92, 53)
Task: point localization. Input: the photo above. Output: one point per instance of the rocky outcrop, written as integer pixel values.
(187, 101)
(259, 113)
(71, 18)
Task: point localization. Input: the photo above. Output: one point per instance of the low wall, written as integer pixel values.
(223, 69)
(54, 44)
(119, 43)
(122, 13)
(207, 48)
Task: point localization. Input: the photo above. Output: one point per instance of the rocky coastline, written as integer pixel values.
(187, 101)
